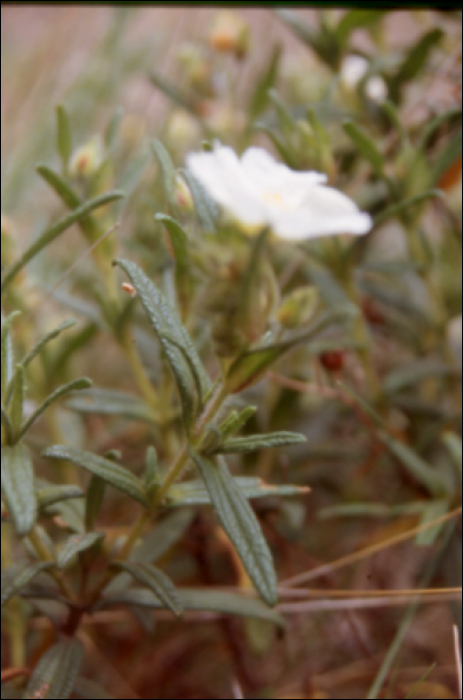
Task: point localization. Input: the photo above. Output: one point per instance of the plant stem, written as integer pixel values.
(43, 554)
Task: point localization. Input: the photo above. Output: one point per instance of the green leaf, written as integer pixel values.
(113, 128)
(93, 501)
(266, 81)
(61, 186)
(365, 145)
(445, 159)
(235, 421)
(51, 335)
(63, 136)
(152, 475)
(7, 355)
(76, 544)
(198, 599)
(156, 580)
(326, 283)
(163, 537)
(281, 146)
(109, 471)
(428, 476)
(179, 241)
(18, 487)
(167, 170)
(354, 19)
(173, 93)
(111, 403)
(53, 232)
(404, 205)
(432, 128)
(250, 366)
(319, 41)
(49, 495)
(195, 493)
(453, 443)
(7, 426)
(416, 58)
(239, 522)
(251, 443)
(16, 577)
(192, 380)
(75, 385)
(435, 509)
(57, 670)
(18, 394)
(206, 209)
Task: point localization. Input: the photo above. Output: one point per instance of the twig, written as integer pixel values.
(456, 639)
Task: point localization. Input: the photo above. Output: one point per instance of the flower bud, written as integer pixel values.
(298, 307)
(183, 195)
(229, 33)
(196, 68)
(332, 360)
(86, 159)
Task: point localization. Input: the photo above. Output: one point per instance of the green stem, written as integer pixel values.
(43, 554)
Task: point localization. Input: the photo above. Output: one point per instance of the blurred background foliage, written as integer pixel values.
(371, 98)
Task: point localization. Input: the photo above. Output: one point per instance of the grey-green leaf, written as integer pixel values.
(198, 599)
(76, 544)
(156, 580)
(259, 98)
(7, 355)
(111, 403)
(18, 394)
(63, 136)
(49, 495)
(251, 443)
(365, 145)
(109, 471)
(195, 493)
(75, 385)
(16, 577)
(56, 672)
(206, 208)
(53, 232)
(240, 523)
(18, 487)
(186, 366)
(167, 169)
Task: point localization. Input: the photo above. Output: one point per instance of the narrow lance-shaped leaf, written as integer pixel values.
(76, 544)
(250, 366)
(93, 501)
(7, 356)
(251, 443)
(63, 136)
(112, 403)
(180, 351)
(18, 395)
(353, 19)
(76, 384)
(109, 471)
(156, 580)
(89, 690)
(417, 57)
(51, 335)
(18, 487)
(53, 232)
(49, 495)
(260, 95)
(205, 207)
(365, 145)
(57, 670)
(16, 577)
(7, 426)
(235, 421)
(195, 493)
(167, 169)
(240, 523)
(197, 599)
(112, 128)
(173, 93)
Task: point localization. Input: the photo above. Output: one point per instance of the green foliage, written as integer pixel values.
(361, 394)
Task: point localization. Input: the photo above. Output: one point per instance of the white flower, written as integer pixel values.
(257, 191)
(353, 69)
